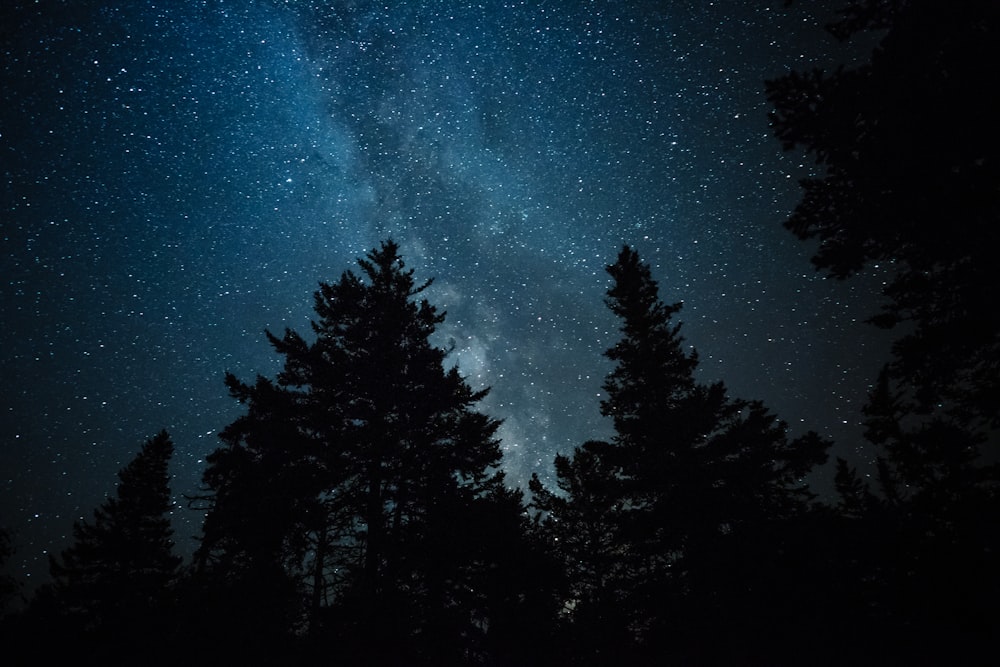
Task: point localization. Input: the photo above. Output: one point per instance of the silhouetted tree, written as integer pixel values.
(914, 563)
(855, 499)
(909, 155)
(582, 524)
(357, 478)
(114, 583)
(690, 474)
(943, 495)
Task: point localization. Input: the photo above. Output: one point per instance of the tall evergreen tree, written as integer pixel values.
(689, 472)
(359, 473)
(118, 572)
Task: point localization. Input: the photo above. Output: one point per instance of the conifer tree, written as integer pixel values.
(121, 564)
(923, 214)
(923, 542)
(689, 470)
(359, 474)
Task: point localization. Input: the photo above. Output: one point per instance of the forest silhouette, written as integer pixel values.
(357, 511)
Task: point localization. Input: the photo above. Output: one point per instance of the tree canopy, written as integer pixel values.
(359, 471)
(908, 155)
(123, 560)
(689, 472)
(113, 587)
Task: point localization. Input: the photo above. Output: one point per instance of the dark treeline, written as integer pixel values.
(357, 512)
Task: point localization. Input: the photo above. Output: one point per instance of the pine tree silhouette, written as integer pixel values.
(689, 473)
(358, 476)
(114, 584)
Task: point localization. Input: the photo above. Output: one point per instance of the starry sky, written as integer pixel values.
(179, 175)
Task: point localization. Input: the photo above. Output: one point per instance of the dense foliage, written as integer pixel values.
(357, 478)
(691, 473)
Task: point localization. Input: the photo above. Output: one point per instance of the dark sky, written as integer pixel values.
(179, 175)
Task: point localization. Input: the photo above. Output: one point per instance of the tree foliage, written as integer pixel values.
(908, 155)
(908, 150)
(113, 591)
(689, 471)
(357, 510)
(122, 562)
(360, 473)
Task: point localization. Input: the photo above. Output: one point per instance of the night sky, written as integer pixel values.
(179, 175)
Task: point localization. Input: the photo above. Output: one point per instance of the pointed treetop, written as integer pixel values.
(634, 291)
(650, 356)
